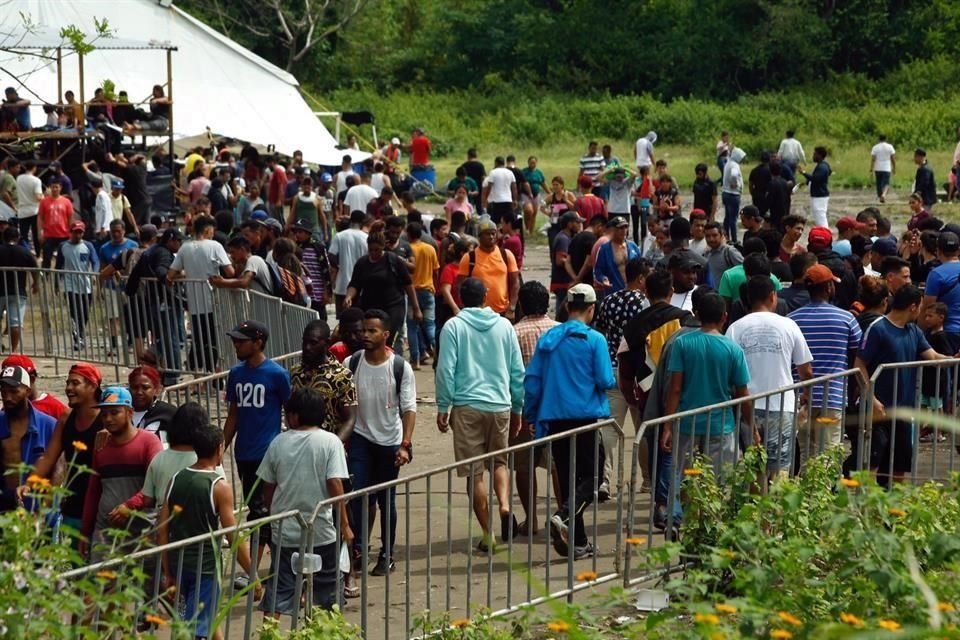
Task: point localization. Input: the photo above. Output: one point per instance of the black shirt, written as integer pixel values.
(704, 192)
(926, 185)
(580, 248)
(759, 179)
(135, 187)
(778, 200)
(15, 282)
(380, 284)
(475, 170)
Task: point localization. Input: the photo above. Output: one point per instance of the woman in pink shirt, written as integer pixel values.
(459, 202)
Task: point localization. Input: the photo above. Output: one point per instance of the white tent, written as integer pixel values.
(217, 84)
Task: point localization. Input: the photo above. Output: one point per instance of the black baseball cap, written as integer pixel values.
(948, 242)
(680, 260)
(171, 234)
(249, 330)
(302, 224)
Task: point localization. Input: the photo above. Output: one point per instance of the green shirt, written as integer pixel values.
(467, 182)
(192, 491)
(734, 277)
(535, 178)
(8, 184)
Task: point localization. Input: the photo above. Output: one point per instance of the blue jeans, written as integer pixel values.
(420, 335)
(731, 213)
(371, 464)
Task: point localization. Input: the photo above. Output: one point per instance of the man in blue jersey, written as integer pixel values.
(833, 336)
(257, 389)
(112, 290)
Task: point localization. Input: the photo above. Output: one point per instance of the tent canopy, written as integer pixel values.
(217, 84)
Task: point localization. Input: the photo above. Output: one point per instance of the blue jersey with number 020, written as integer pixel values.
(259, 394)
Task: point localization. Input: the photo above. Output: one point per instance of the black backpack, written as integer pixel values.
(354, 363)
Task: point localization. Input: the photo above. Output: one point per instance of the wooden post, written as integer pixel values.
(83, 99)
(59, 75)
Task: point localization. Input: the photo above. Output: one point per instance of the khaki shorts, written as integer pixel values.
(522, 458)
(476, 433)
(113, 303)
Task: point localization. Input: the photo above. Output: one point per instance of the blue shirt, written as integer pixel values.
(886, 343)
(942, 284)
(830, 333)
(40, 428)
(109, 252)
(259, 394)
(705, 385)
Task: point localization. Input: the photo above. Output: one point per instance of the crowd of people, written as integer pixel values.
(636, 316)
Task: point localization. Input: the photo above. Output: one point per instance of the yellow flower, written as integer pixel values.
(897, 513)
(727, 553)
(79, 445)
(946, 607)
(177, 509)
(781, 634)
(636, 541)
(461, 623)
(706, 618)
(790, 618)
(587, 576)
(692, 472)
(157, 620)
(850, 483)
(722, 607)
(558, 626)
(106, 575)
(38, 483)
(849, 618)
(889, 625)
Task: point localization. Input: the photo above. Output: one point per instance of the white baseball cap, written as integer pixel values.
(394, 140)
(582, 293)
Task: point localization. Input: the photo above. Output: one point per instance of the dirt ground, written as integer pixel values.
(438, 567)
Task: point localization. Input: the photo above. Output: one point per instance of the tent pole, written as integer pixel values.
(170, 114)
(83, 99)
(59, 75)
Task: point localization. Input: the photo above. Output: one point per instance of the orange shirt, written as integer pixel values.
(491, 269)
(425, 264)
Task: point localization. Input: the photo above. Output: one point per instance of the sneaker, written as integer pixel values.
(660, 517)
(383, 566)
(558, 534)
(586, 551)
(603, 492)
(241, 581)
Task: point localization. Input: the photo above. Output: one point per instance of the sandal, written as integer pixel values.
(523, 529)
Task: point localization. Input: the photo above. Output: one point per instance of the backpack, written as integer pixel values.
(288, 286)
(354, 363)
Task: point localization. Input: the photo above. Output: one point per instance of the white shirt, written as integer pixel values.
(359, 196)
(348, 245)
(683, 300)
(29, 192)
(791, 150)
(341, 180)
(102, 212)
(773, 346)
(500, 180)
(199, 260)
(644, 150)
(699, 247)
(732, 178)
(882, 152)
(378, 181)
(378, 407)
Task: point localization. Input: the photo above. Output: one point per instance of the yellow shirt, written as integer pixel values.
(425, 264)
(491, 268)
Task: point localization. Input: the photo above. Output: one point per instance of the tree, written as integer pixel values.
(285, 30)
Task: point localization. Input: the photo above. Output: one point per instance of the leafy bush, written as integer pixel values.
(813, 557)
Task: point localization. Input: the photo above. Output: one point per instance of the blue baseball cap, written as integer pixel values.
(259, 214)
(115, 397)
(117, 184)
(326, 177)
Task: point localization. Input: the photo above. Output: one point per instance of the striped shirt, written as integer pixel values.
(529, 330)
(591, 165)
(830, 333)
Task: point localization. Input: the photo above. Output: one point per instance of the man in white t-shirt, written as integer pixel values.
(791, 151)
(773, 346)
(499, 195)
(643, 150)
(360, 195)
(29, 193)
(382, 434)
(346, 169)
(345, 249)
(102, 209)
(883, 163)
(201, 259)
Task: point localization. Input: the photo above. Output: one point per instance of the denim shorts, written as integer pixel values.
(16, 308)
(199, 611)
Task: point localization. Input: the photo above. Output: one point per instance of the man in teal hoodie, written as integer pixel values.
(565, 388)
(480, 383)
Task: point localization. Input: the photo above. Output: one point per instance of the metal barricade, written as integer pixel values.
(914, 395)
(434, 537)
(720, 433)
(73, 315)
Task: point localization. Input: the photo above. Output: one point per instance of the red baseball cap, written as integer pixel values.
(818, 274)
(78, 225)
(846, 223)
(821, 236)
(585, 181)
(88, 371)
(19, 360)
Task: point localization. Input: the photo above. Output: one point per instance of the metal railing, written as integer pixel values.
(71, 315)
(439, 566)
